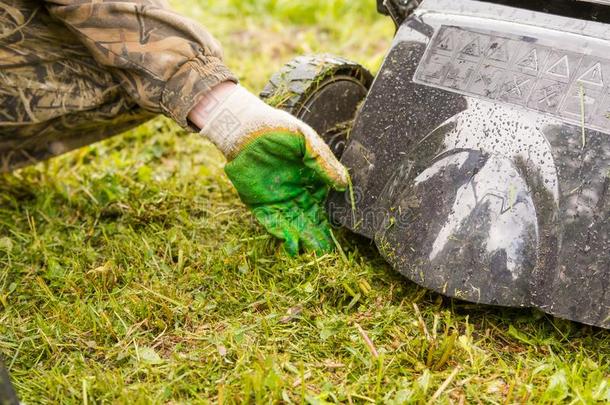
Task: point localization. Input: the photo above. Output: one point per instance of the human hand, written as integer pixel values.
(280, 167)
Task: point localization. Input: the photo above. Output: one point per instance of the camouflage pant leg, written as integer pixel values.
(53, 95)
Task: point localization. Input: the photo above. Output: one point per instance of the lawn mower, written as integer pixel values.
(480, 152)
(7, 392)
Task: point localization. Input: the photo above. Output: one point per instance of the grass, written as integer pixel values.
(130, 273)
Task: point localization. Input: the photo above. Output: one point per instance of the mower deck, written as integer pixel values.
(481, 158)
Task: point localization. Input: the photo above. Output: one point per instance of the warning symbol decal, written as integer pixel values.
(530, 61)
(446, 44)
(561, 68)
(593, 76)
(473, 48)
(498, 52)
(516, 87)
(579, 104)
(549, 96)
(603, 116)
(523, 72)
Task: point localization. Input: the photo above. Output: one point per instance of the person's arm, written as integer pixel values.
(280, 167)
(165, 61)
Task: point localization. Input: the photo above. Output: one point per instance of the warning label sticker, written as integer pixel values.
(520, 71)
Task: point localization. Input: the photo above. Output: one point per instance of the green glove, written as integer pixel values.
(280, 167)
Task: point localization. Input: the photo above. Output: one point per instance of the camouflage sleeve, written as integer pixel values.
(165, 61)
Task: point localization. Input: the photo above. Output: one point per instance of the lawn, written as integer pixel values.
(131, 273)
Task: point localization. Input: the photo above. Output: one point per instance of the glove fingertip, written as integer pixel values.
(320, 158)
(335, 176)
(291, 244)
(290, 249)
(344, 181)
(340, 186)
(318, 239)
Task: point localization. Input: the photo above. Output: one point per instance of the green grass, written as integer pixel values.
(130, 273)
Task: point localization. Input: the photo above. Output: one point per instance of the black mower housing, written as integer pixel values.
(480, 158)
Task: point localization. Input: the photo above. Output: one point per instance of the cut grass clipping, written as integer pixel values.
(130, 273)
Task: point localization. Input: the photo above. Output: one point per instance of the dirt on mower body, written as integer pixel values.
(480, 157)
